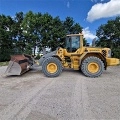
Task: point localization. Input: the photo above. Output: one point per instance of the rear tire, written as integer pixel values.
(92, 67)
(52, 67)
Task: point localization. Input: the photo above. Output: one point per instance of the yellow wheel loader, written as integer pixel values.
(91, 61)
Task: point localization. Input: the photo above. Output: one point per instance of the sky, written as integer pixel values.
(90, 14)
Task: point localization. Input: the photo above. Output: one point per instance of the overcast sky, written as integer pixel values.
(89, 13)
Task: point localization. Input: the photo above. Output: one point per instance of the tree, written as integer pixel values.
(17, 32)
(46, 30)
(57, 34)
(24, 32)
(85, 42)
(71, 27)
(109, 36)
(6, 43)
(30, 26)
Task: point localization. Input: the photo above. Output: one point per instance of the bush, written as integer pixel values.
(116, 52)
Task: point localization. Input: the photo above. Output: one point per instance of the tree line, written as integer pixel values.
(109, 36)
(24, 32)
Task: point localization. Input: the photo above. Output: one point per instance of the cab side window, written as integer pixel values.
(75, 43)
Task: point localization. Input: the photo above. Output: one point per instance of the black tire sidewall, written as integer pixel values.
(87, 61)
(52, 60)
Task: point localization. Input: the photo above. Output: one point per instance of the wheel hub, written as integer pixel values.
(93, 67)
(51, 67)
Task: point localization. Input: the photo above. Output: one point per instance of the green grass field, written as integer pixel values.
(3, 63)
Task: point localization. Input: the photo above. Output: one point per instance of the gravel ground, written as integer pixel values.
(71, 96)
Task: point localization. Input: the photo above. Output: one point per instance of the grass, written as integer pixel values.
(4, 63)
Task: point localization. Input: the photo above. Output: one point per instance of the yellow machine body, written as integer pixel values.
(92, 61)
(82, 53)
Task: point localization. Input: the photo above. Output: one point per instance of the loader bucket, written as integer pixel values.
(18, 65)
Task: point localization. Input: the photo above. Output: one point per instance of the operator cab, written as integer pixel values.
(72, 43)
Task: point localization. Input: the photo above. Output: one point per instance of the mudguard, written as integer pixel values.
(46, 56)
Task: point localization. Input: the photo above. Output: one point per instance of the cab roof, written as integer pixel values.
(80, 34)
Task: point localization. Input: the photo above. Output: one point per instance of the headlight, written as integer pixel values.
(109, 53)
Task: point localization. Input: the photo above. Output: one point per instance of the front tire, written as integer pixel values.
(92, 67)
(52, 67)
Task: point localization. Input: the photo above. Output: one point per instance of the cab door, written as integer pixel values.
(72, 52)
(72, 43)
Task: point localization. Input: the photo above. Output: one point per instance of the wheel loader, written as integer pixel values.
(91, 61)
